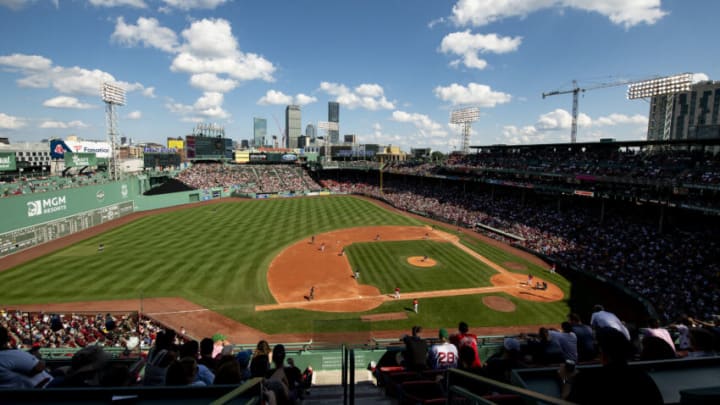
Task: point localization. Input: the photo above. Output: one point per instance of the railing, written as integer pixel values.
(244, 388)
(494, 386)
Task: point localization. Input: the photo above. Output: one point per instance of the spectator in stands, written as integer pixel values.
(500, 365)
(466, 362)
(19, 369)
(683, 330)
(585, 338)
(243, 359)
(295, 379)
(183, 372)
(567, 341)
(543, 349)
(655, 348)
(260, 361)
(86, 369)
(655, 330)
(219, 343)
(702, 343)
(159, 358)
(443, 355)
(602, 318)
(415, 354)
(228, 371)
(465, 338)
(206, 358)
(276, 379)
(615, 381)
(191, 349)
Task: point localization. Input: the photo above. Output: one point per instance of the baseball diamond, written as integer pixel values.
(250, 263)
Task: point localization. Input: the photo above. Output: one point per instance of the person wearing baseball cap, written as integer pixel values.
(443, 355)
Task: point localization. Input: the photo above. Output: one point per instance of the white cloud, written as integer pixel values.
(304, 99)
(622, 12)
(469, 46)
(435, 22)
(119, 3)
(26, 62)
(134, 115)
(147, 31)
(211, 82)
(422, 122)
(11, 122)
(210, 47)
(561, 119)
(38, 72)
(193, 4)
(149, 92)
(63, 125)
(209, 105)
(476, 94)
(274, 97)
(19, 4)
(621, 119)
(369, 96)
(66, 102)
(551, 127)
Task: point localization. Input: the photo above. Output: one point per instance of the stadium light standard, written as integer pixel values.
(113, 95)
(664, 86)
(465, 117)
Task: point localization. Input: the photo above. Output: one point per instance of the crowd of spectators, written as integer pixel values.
(249, 178)
(677, 166)
(28, 185)
(55, 330)
(623, 249)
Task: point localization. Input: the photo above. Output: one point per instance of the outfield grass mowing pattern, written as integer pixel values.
(217, 256)
(384, 265)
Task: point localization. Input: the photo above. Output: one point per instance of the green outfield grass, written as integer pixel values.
(217, 256)
(385, 266)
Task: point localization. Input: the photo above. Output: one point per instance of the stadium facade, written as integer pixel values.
(695, 114)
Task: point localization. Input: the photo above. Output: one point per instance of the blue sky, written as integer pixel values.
(398, 67)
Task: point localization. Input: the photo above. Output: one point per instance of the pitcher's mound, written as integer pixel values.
(421, 261)
(499, 304)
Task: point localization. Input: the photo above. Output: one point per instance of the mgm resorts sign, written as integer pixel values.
(46, 206)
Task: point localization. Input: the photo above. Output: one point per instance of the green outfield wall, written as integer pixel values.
(31, 219)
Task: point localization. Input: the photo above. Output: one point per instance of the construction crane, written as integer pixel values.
(281, 131)
(575, 92)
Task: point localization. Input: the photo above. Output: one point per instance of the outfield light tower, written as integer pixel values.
(465, 117)
(113, 95)
(664, 86)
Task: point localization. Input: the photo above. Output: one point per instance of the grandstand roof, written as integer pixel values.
(675, 142)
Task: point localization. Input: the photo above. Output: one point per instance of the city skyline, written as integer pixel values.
(397, 69)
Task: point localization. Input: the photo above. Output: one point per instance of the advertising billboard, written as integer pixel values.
(177, 144)
(7, 161)
(80, 159)
(58, 148)
(100, 149)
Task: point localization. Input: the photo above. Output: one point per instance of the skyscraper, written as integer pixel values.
(293, 126)
(310, 132)
(259, 132)
(334, 116)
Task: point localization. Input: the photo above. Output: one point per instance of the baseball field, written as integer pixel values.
(251, 263)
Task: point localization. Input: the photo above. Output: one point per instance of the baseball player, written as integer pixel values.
(311, 296)
(397, 293)
(415, 305)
